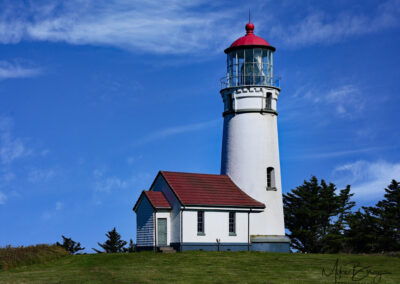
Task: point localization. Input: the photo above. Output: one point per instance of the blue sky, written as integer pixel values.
(97, 96)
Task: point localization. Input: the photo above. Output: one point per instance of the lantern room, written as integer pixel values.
(249, 62)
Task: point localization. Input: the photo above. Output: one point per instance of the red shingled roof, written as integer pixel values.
(208, 190)
(156, 199)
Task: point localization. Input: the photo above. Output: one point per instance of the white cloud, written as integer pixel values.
(15, 70)
(133, 159)
(107, 184)
(6, 123)
(111, 183)
(3, 198)
(345, 101)
(10, 148)
(50, 214)
(171, 131)
(47, 215)
(6, 176)
(368, 179)
(40, 175)
(319, 27)
(333, 154)
(59, 205)
(176, 26)
(164, 26)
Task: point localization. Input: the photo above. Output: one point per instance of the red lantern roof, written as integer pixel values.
(249, 40)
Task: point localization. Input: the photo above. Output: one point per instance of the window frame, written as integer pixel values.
(268, 101)
(232, 222)
(271, 179)
(200, 224)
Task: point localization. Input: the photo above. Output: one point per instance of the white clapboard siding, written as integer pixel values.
(145, 225)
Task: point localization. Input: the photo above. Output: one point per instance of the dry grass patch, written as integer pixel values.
(11, 257)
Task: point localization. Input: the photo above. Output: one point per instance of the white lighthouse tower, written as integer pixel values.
(250, 152)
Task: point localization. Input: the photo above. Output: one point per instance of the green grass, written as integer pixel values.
(16, 256)
(204, 267)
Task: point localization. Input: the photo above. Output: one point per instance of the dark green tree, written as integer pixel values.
(113, 244)
(387, 213)
(316, 215)
(376, 228)
(362, 232)
(131, 247)
(70, 245)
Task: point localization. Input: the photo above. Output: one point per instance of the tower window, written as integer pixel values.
(268, 101)
(270, 178)
(232, 223)
(200, 222)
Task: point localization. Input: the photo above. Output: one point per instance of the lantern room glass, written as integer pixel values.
(249, 66)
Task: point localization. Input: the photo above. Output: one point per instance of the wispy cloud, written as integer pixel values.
(111, 183)
(6, 176)
(105, 183)
(368, 179)
(344, 102)
(165, 26)
(171, 131)
(319, 27)
(16, 70)
(334, 154)
(3, 198)
(346, 99)
(175, 26)
(10, 148)
(40, 175)
(59, 205)
(51, 213)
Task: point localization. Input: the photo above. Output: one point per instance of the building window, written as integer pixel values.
(270, 179)
(200, 222)
(232, 223)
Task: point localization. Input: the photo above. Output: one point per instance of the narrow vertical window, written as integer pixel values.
(232, 223)
(270, 178)
(268, 101)
(200, 222)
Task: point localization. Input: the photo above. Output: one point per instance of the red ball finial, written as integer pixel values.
(249, 28)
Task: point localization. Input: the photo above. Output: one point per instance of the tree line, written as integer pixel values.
(319, 219)
(113, 244)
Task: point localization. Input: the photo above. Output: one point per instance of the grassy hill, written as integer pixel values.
(210, 267)
(11, 257)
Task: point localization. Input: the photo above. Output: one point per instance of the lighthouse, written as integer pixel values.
(241, 208)
(250, 151)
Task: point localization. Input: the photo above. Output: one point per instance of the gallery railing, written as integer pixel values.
(251, 80)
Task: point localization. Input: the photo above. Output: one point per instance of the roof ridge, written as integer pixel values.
(175, 172)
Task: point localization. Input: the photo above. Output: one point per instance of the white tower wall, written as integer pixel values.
(249, 147)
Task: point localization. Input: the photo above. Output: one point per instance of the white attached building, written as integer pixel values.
(241, 209)
(196, 212)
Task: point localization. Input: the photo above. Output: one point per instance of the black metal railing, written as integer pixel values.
(251, 80)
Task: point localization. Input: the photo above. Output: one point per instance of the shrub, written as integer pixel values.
(70, 246)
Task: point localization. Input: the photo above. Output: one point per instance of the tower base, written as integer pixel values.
(270, 243)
